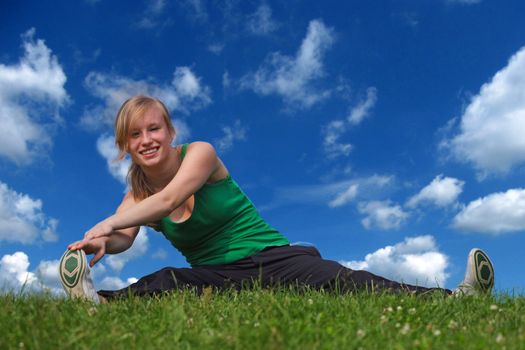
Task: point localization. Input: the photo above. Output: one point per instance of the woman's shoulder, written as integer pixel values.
(199, 148)
(202, 146)
(206, 151)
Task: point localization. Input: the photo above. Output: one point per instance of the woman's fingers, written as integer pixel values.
(76, 245)
(98, 255)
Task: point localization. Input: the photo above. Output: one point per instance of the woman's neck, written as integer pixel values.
(160, 175)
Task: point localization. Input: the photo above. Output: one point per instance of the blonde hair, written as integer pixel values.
(131, 110)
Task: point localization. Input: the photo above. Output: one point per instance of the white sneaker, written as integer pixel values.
(479, 277)
(75, 276)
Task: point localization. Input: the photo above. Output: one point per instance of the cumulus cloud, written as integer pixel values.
(152, 13)
(331, 134)
(106, 148)
(16, 277)
(362, 109)
(160, 254)
(31, 95)
(183, 131)
(416, 260)
(464, 2)
(261, 22)
(186, 92)
(334, 194)
(333, 131)
(22, 219)
(195, 10)
(292, 77)
(237, 132)
(440, 192)
(139, 248)
(345, 197)
(491, 129)
(14, 273)
(114, 283)
(496, 213)
(216, 48)
(382, 214)
(48, 278)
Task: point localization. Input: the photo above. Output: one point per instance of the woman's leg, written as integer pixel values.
(304, 265)
(275, 266)
(168, 279)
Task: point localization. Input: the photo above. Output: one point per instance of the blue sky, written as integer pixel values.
(387, 133)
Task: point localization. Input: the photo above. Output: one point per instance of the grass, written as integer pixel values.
(264, 319)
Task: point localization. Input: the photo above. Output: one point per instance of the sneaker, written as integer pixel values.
(479, 277)
(75, 276)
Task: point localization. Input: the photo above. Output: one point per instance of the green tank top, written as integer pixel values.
(223, 227)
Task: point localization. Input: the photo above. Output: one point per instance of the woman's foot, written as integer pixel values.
(75, 276)
(479, 277)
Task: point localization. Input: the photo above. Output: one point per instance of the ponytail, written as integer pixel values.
(140, 188)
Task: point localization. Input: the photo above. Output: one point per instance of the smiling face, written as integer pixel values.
(149, 138)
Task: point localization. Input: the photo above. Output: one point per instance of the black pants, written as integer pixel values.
(275, 266)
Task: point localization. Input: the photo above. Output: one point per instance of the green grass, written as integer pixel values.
(264, 319)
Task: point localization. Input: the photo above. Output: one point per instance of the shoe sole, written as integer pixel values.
(484, 271)
(72, 269)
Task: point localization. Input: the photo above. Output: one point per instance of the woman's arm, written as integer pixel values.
(117, 242)
(199, 165)
(114, 244)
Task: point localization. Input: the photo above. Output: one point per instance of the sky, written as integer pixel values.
(389, 134)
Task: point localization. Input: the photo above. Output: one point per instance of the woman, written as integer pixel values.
(187, 193)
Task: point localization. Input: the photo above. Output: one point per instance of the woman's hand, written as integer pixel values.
(103, 228)
(95, 246)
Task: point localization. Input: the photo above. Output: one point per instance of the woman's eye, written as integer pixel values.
(135, 135)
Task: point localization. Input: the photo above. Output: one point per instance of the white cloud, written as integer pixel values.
(196, 10)
(261, 22)
(440, 192)
(330, 192)
(139, 248)
(185, 93)
(332, 132)
(48, 278)
(465, 2)
(496, 213)
(417, 261)
(237, 132)
(216, 48)
(344, 197)
(160, 254)
(362, 110)
(49, 234)
(106, 148)
(382, 214)
(491, 130)
(183, 131)
(292, 77)
(114, 283)
(22, 219)
(14, 275)
(226, 81)
(152, 14)
(31, 95)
